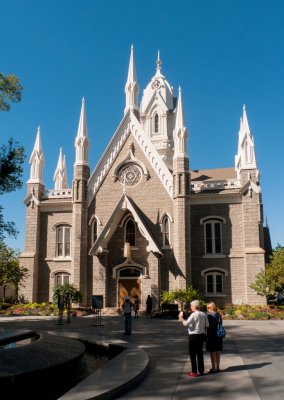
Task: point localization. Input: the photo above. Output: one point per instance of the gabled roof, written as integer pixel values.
(124, 206)
(213, 174)
(129, 124)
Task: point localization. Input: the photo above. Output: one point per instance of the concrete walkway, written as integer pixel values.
(252, 362)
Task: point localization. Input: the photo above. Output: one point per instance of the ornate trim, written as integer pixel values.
(56, 207)
(215, 199)
(201, 186)
(130, 158)
(214, 269)
(152, 155)
(108, 157)
(57, 194)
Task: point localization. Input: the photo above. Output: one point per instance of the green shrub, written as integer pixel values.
(184, 296)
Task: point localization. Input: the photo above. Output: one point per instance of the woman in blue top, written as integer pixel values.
(214, 344)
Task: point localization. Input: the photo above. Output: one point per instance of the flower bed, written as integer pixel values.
(257, 312)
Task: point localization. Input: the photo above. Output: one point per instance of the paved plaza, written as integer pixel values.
(252, 362)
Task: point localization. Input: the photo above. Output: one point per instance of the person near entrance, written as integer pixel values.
(149, 306)
(136, 306)
(127, 307)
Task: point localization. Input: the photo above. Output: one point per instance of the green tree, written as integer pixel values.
(11, 155)
(182, 295)
(70, 295)
(11, 274)
(271, 280)
(10, 91)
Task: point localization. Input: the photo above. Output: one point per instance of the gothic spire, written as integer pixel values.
(180, 131)
(82, 140)
(36, 161)
(245, 158)
(60, 174)
(131, 86)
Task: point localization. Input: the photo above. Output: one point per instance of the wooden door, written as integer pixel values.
(128, 287)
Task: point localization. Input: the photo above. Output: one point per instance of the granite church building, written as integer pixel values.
(143, 221)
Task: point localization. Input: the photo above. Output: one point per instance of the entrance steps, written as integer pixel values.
(111, 311)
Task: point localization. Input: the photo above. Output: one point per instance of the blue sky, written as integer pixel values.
(223, 54)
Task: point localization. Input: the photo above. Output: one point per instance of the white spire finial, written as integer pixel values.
(82, 140)
(36, 161)
(158, 65)
(245, 158)
(245, 123)
(131, 86)
(60, 175)
(180, 131)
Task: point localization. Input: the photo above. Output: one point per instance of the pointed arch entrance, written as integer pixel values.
(129, 283)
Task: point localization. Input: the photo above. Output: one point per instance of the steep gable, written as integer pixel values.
(129, 124)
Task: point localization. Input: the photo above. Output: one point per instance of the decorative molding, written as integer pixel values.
(129, 124)
(57, 194)
(215, 199)
(201, 186)
(109, 156)
(129, 160)
(60, 223)
(128, 263)
(94, 217)
(212, 217)
(60, 271)
(152, 155)
(166, 214)
(213, 269)
(45, 207)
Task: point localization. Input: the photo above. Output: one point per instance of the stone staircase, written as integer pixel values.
(110, 311)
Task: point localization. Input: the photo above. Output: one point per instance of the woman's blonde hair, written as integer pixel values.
(212, 306)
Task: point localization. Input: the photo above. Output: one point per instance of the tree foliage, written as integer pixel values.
(11, 159)
(271, 280)
(12, 155)
(69, 292)
(11, 274)
(183, 295)
(10, 91)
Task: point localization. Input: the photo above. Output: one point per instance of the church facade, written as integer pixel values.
(143, 221)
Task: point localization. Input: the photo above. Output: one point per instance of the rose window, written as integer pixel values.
(129, 175)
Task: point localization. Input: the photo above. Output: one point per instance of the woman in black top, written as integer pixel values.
(214, 344)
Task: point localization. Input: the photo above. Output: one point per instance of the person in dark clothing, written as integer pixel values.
(136, 306)
(149, 306)
(127, 307)
(214, 344)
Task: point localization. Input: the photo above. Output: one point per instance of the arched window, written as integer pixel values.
(63, 241)
(61, 279)
(129, 272)
(213, 234)
(94, 230)
(156, 123)
(130, 232)
(166, 230)
(214, 281)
